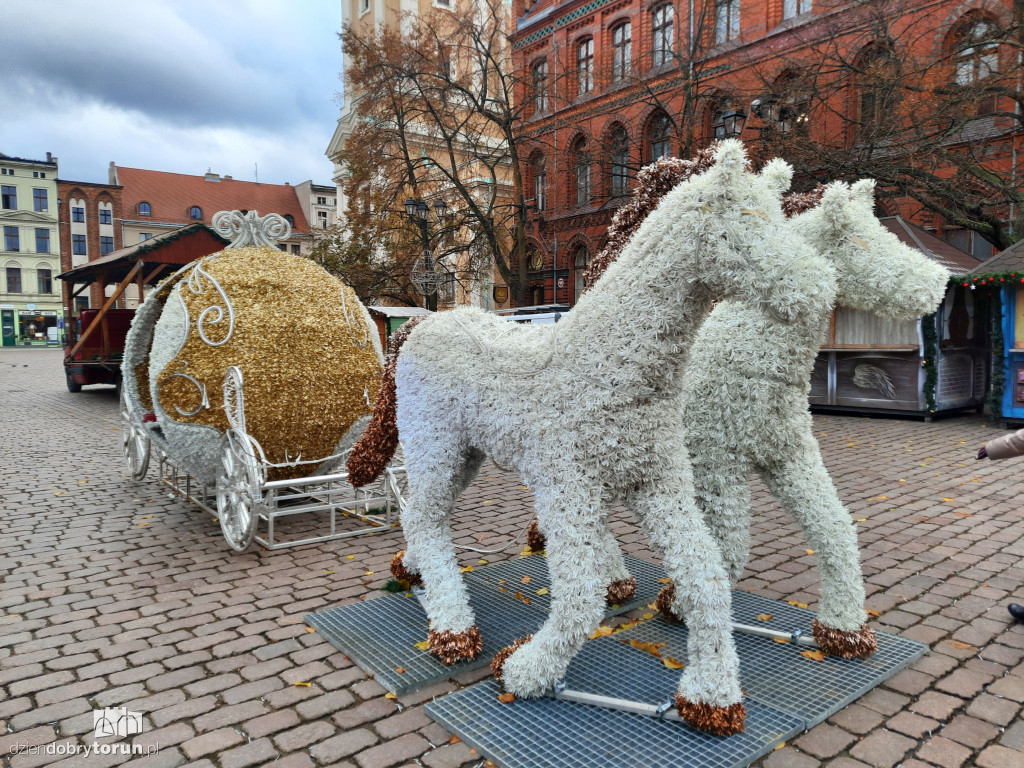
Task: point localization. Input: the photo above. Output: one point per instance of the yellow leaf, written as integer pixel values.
(304, 685)
(947, 499)
(390, 695)
(813, 655)
(648, 616)
(400, 670)
(781, 640)
(349, 557)
(671, 663)
(146, 517)
(652, 606)
(542, 591)
(850, 445)
(526, 579)
(489, 501)
(666, 580)
(369, 573)
(966, 514)
(764, 617)
(506, 698)
(780, 745)
(798, 605)
(310, 629)
(61, 493)
(961, 646)
(328, 571)
(482, 562)
(142, 525)
(861, 520)
(601, 632)
(883, 498)
(423, 646)
(467, 569)
(454, 740)
(871, 612)
(809, 551)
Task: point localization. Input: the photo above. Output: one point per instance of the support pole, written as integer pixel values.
(101, 317)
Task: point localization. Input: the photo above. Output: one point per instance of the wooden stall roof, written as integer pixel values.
(1010, 260)
(175, 247)
(399, 311)
(949, 256)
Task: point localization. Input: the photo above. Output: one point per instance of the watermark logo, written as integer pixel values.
(115, 721)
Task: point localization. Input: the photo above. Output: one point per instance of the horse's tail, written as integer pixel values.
(378, 443)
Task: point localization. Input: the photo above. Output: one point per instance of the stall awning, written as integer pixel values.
(175, 247)
(1010, 260)
(949, 256)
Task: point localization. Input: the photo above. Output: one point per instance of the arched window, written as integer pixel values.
(659, 137)
(539, 83)
(581, 167)
(621, 51)
(788, 107)
(661, 27)
(13, 277)
(975, 51)
(44, 280)
(145, 209)
(585, 66)
(876, 89)
(290, 219)
(539, 173)
(536, 295)
(195, 213)
(580, 259)
(618, 153)
(716, 117)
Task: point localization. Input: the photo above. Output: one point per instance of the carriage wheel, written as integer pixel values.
(239, 490)
(135, 443)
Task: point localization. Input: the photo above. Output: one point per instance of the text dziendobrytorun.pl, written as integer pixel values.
(84, 749)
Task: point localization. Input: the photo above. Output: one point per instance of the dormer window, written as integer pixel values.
(145, 209)
(195, 213)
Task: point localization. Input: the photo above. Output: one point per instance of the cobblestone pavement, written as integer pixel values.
(114, 595)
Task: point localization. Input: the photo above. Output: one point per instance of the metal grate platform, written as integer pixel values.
(380, 635)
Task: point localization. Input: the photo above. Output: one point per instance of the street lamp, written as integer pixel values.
(732, 122)
(424, 274)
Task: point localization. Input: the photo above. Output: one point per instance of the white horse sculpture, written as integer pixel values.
(589, 412)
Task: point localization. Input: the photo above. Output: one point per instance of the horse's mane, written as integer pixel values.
(653, 182)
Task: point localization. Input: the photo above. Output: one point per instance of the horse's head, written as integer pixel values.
(874, 269)
(750, 252)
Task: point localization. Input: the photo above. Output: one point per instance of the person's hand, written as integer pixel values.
(982, 453)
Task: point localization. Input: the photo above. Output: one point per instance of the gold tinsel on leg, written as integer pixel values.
(663, 602)
(453, 647)
(846, 645)
(721, 721)
(498, 662)
(403, 574)
(534, 538)
(621, 591)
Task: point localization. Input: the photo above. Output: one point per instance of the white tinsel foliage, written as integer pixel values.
(589, 412)
(745, 393)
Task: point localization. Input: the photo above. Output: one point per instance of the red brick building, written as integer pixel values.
(610, 85)
(89, 217)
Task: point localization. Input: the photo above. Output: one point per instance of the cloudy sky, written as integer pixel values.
(172, 85)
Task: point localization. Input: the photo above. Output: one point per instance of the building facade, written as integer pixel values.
(612, 85)
(157, 201)
(320, 204)
(90, 218)
(30, 300)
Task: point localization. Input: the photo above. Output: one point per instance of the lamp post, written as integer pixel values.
(425, 276)
(732, 122)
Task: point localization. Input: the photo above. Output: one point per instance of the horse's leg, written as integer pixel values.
(438, 469)
(709, 695)
(570, 516)
(802, 485)
(620, 582)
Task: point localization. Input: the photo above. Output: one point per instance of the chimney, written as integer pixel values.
(49, 157)
(229, 178)
(112, 174)
(212, 176)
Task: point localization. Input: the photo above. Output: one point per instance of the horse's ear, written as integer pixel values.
(779, 174)
(833, 204)
(863, 191)
(730, 156)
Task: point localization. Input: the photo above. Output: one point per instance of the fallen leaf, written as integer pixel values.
(966, 514)
(798, 605)
(648, 616)
(809, 551)
(349, 557)
(304, 685)
(850, 445)
(503, 581)
(467, 569)
(961, 646)
(666, 580)
(390, 695)
(519, 595)
(61, 493)
(489, 501)
(310, 629)
(651, 648)
(861, 520)
(671, 663)
(813, 655)
(947, 499)
(542, 591)
(328, 571)
(400, 670)
(525, 579)
(883, 498)
(423, 645)
(482, 562)
(781, 640)
(145, 517)
(601, 632)
(142, 525)
(506, 698)
(778, 746)
(652, 606)
(764, 617)
(369, 573)
(454, 740)
(871, 612)
(921, 519)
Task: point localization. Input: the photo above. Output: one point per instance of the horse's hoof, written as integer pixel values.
(534, 538)
(498, 662)
(621, 591)
(403, 574)
(453, 647)
(721, 721)
(846, 645)
(663, 602)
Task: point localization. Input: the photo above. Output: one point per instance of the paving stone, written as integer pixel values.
(324, 705)
(824, 741)
(1009, 687)
(993, 709)
(272, 723)
(453, 756)
(787, 757)
(303, 736)
(939, 706)
(393, 752)
(1000, 757)
(209, 743)
(912, 725)
(1013, 737)
(856, 719)
(882, 749)
(254, 752)
(970, 731)
(943, 752)
(342, 745)
(963, 683)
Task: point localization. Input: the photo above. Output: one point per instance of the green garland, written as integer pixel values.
(998, 382)
(931, 373)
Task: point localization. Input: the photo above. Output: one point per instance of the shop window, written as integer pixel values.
(40, 200)
(9, 197)
(585, 66)
(662, 28)
(14, 279)
(44, 280)
(36, 326)
(42, 240)
(621, 51)
(11, 239)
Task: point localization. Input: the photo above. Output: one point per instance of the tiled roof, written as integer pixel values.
(171, 195)
(949, 256)
(1010, 260)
